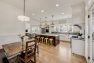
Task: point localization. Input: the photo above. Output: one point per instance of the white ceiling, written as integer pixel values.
(34, 7)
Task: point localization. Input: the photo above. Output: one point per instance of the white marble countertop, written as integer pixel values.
(49, 34)
(78, 39)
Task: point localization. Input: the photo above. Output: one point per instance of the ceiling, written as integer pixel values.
(34, 7)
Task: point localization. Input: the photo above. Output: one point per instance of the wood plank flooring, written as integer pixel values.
(58, 54)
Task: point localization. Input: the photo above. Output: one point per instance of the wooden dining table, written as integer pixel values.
(13, 49)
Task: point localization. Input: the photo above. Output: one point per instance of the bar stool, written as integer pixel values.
(42, 39)
(51, 41)
(46, 40)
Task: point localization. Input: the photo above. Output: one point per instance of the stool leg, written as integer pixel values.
(41, 40)
(49, 42)
(46, 41)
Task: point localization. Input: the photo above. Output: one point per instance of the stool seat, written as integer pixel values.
(42, 39)
(51, 41)
(46, 40)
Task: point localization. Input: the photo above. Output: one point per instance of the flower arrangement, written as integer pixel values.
(22, 35)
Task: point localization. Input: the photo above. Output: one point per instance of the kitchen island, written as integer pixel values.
(52, 39)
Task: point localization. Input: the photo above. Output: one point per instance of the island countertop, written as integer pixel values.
(48, 34)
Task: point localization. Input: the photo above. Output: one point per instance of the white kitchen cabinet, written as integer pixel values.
(64, 37)
(78, 46)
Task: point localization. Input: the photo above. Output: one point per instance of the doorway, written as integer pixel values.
(91, 34)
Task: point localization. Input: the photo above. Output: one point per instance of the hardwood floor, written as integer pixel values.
(58, 54)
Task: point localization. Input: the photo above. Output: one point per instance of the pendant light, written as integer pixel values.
(23, 17)
(57, 3)
(46, 25)
(52, 24)
(40, 23)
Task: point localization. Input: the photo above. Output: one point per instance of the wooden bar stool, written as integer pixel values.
(42, 39)
(46, 40)
(51, 41)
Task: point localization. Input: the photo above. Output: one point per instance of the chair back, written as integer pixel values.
(30, 48)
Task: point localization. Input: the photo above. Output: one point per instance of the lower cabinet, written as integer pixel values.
(78, 47)
(64, 37)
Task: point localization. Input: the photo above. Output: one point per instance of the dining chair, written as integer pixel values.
(37, 38)
(29, 54)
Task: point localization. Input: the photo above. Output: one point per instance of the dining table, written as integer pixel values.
(14, 49)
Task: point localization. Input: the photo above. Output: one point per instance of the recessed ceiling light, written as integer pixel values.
(62, 13)
(42, 11)
(57, 5)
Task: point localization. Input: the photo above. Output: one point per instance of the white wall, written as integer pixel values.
(10, 27)
(78, 13)
(89, 3)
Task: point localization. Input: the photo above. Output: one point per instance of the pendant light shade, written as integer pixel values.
(23, 17)
(46, 24)
(40, 23)
(52, 21)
